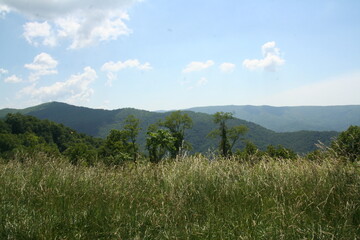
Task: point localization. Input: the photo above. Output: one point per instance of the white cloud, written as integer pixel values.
(37, 33)
(131, 63)
(13, 79)
(112, 67)
(88, 30)
(197, 66)
(74, 90)
(3, 71)
(270, 49)
(43, 64)
(271, 61)
(83, 22)
(341, 90)
(3, 10)
(227, 67)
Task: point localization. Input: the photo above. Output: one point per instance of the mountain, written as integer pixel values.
(99, 122)
(290, 119)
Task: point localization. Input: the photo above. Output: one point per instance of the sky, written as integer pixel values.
(165, 55)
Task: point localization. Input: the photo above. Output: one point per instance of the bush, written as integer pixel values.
(347, 144)
(280, 152)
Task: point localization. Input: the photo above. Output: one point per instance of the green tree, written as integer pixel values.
(81, 152)
(4, 127)
(249, 153)
(120, 145)
(280, 152)
(8, 142)
(131, 130)
(177, 122)
(116, 149)
(17, 123)
(228, 137)
(347, 144)
(158, 143)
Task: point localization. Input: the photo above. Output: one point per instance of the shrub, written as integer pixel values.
(347, 144)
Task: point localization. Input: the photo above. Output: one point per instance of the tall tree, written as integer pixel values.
(177, 122)
(122, 144)
(132, 129)
(158, 143)
(228, 137)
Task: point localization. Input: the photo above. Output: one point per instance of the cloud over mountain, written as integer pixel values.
(74, 90)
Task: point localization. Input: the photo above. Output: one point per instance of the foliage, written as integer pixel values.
(250, 153)
(228, 137)
(131, 129)
(158, 143)
(177, 123)
(120, 145)
(116, 149)
(81, 153)
(29, 134)
(280, 152)
(347, 144)
(48, 198)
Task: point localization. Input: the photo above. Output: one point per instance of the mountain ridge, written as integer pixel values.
(290, 119)
(99, 122)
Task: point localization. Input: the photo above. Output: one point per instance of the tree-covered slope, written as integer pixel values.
(29, 134)
(98, 123)
(289, 119)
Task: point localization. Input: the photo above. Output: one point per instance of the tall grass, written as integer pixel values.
(46, 198)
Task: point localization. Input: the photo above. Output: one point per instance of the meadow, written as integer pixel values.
(44, 197)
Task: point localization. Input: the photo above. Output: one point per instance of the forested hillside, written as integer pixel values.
(289, 119)
(30, 134)
(98, 123)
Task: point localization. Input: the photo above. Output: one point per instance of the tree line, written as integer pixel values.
(165, 139)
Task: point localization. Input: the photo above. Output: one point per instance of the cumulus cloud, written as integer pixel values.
(83, 22)
(271, 59)
(37, 33)
(112, 67)
(74, 90)
(197, 66)
(13, 79)
(43, 64)
(227, 67)
(3, 71)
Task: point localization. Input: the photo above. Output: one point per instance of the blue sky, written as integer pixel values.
(161, 54)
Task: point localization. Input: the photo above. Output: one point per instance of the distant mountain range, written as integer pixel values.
(98, 123)
(290, 119)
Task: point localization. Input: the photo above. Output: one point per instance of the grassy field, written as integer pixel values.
(48, 198)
